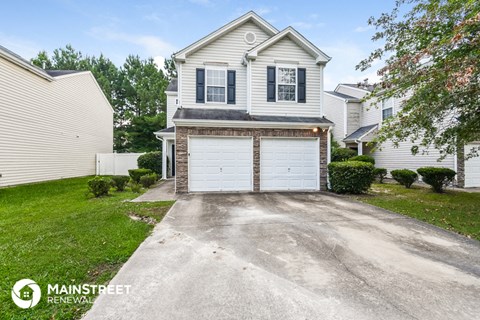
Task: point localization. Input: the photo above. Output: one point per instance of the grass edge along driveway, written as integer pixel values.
(456, 211)
(53, 233)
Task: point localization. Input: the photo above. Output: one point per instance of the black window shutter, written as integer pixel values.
(271, 84)
(231, 86)
(200, 85)
(302, 84)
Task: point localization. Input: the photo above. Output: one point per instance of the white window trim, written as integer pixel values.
(277, 83)
(206, 84)
(391, 107)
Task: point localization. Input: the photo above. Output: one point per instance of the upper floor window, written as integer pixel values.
(286, 83)
(216, 84)
(387, 108)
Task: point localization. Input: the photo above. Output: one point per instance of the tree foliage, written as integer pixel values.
(432, 57)
(135, 90)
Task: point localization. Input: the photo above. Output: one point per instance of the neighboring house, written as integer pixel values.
(245, 113)
(357, 122)
(53, 123)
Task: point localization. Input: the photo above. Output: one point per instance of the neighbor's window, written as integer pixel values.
(287, 83)
(216, 84)
(387, 108)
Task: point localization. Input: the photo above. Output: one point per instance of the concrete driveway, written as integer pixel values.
(295, 256)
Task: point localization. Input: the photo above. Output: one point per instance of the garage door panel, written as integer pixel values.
(220, 164)
(472, 168)
(289, 164)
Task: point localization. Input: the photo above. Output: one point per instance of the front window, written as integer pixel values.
(216, 84)
(387, 108)
(287, 84)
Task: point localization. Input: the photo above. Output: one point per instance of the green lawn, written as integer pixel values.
(453, 210)
(54, 233)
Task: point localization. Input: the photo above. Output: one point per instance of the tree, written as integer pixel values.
(170, 68)
(432, 57)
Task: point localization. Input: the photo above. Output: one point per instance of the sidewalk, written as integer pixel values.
(163, 191)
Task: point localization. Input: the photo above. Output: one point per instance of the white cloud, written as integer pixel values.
(363, 28)
(160, 62)
(153, 46)
(341, 69)
(25, 48)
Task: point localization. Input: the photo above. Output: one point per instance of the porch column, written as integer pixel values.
(164, 158)
(360, 148)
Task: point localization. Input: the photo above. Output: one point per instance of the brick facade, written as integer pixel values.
(181, 149)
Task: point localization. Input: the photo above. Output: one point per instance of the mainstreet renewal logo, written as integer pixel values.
(26, 293)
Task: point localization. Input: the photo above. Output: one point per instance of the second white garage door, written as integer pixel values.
(289, 164)
(472, 168)
(220, 164)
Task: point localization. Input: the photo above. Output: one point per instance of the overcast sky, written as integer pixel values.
(156, 29)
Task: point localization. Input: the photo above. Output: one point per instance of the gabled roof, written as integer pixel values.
(25, 64)
(342, 96)
(359, 86)
(59, 73)
(360, 133)
(249, 16)
(295, 36)
(173, 85)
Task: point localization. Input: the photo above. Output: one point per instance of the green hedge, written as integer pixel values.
(99, 186)
(136, 174)
(342, 154)
(152, 161)
(120, 182)
(363, 158)
(380, 174)
(350, 176)
(404, 177)
(148, 180)
(437, 178)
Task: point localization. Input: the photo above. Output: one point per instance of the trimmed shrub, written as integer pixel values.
(437, 178)
(152, 161)
(350, 176)
(148, 180)
(363, 158)
(380, 174)
(342, 154)
(136, 174)
(120, 182)
(135, 187)
(99, 186)
(404, 177)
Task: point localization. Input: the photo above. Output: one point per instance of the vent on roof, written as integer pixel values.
(250, 37)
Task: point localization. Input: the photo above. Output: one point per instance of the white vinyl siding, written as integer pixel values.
(285, 50)
(392, 158)
(229, 50)
(371, 113)
(334, 111)
(353, 116)
(220, 164)
(50, 130)
(171, 108)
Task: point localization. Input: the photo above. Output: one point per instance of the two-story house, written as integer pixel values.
(246, 111)
(357, 121)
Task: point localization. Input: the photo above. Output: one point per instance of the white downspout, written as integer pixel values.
(321, 90)
(164, 157)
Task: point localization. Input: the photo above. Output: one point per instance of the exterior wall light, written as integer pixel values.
(315, 129)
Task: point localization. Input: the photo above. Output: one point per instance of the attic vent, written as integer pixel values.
(250, 37)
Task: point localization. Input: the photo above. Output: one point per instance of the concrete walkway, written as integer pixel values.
(290, 256)
(163, 191)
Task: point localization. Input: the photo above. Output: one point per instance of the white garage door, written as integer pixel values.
(220, 164)
(289, 164)
(472, 168)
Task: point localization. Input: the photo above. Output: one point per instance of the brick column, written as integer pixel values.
(256, 161)
(323, 160)
(181, 158)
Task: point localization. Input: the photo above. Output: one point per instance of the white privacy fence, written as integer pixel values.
(116, 164)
